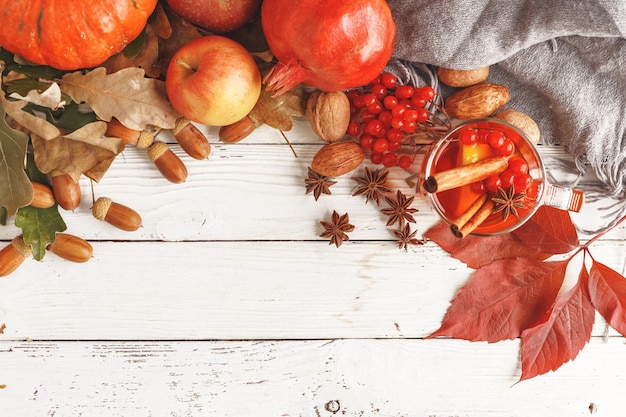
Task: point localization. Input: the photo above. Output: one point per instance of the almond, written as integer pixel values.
(478, 101)
(238, 131)
(329, 114)
(71, 248)
(191, 139)
(335, 159)
(462, 78)
(522, 121)
(116, 214)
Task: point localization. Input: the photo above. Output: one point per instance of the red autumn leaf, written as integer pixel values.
(503, 299)
(478, 251)
(549, 230)
(607, 289)
(562, 335)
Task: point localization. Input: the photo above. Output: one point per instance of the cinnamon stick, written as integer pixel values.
(476, 220)
(465, 174)
(460, 221)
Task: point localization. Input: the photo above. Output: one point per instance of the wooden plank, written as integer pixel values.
(351, 377)
(253, 190)
(241, 290)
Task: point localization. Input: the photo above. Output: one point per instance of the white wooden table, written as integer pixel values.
(227, 303)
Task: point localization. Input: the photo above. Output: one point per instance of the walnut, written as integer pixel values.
(329, 114)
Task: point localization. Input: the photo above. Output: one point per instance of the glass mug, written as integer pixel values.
(455, 176)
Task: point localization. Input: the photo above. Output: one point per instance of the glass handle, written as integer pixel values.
(563, 198)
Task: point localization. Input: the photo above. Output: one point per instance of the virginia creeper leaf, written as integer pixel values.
(549, 230)
(558, 339)
(607, 289)
(39, 227)
(127, 95)
(15, 187)
(502, 299)
(477, 251)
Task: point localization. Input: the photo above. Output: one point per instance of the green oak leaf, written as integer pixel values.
(15, 188)
(39, 227)
(69, 117)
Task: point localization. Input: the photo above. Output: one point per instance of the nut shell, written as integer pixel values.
(329, 114)
(335, 159)
(522, 121)
(478, 101)
(462, 78)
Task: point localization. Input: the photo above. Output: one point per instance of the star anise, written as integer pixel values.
(336, 230)
(399, 209)
(317, 184)
(406, 237)
(507, 202)
(372, 185)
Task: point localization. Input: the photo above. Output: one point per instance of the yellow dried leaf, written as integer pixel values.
(83, 151)
(277, 111)
(127, 95)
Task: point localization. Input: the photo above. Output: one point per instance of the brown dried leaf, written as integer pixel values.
(35, 124)
(84, 151)
(277, 111)
(148, 58)
(127, 95)
(158, 26)
(182, 32)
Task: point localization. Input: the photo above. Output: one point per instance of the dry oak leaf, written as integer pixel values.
(50, 97)
(127, 95)
(277, 111)
(182, 32)
(32, 123)
(148, 57)
(83, 151)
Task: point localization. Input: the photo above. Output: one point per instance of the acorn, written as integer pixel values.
(12, 255)
(140, 138)
(66, 191)
(71, 248)
(43, 197)
(169, 165)
(116, 214)
(191, 139)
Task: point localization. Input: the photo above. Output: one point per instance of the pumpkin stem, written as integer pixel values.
(283, 77)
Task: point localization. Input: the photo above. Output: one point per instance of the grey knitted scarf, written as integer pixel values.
(564, 62)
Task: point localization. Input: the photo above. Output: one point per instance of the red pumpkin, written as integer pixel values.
(73, 34)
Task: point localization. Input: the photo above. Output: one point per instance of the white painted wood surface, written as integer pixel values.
(227, 303)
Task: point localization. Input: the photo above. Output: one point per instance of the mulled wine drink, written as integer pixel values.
(484, 177)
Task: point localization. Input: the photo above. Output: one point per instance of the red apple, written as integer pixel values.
(220, 16)
(213, 80)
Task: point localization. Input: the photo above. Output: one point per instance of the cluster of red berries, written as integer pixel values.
(516, 174)
(383, 112)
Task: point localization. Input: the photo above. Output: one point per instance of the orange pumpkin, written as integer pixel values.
(74, 34)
